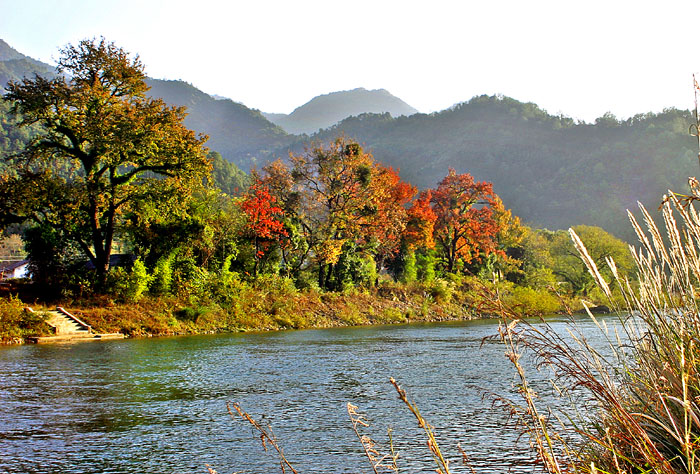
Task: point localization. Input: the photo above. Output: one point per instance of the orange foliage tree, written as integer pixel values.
(465, 228)
(421, 223)
(336, 197)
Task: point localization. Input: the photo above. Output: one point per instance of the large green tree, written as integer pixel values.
(103, 146)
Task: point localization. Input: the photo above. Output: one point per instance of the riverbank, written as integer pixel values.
(270, 305)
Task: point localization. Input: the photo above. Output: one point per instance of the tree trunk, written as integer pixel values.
(321, 278)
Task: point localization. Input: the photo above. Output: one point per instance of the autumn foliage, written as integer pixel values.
(262, 214)
(465, 227)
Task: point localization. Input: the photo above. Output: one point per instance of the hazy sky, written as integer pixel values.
(578, 58)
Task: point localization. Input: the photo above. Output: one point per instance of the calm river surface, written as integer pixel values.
(159, 405)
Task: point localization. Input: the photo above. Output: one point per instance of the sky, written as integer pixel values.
(579, 59)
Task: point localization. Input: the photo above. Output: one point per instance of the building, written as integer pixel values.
(19, 269)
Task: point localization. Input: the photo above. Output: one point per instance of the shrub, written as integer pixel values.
(440, 291)
(530, 302)
(162, 278)
(15, 322)
(129, 285)
(410, 270)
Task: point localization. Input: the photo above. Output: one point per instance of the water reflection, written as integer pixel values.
(158, 405)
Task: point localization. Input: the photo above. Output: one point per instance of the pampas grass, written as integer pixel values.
(645, 390)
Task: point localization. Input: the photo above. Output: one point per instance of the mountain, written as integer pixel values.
(326, 110)
(240, 134)
(15, 65)
(552, 171)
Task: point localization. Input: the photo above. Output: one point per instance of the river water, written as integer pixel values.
(159, 405)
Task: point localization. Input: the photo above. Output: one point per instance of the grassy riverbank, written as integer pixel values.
(275, 303)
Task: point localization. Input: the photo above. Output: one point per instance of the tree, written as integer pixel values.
(263, 226)
(600, 245)
(102, 146)
(337, 199)
(465, 227)
(421, 223)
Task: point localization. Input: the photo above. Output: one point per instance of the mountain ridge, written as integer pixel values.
(326, 110)
(550, 170)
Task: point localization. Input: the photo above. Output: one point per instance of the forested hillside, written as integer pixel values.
(240, 134)
(15, 65)
(552, 171)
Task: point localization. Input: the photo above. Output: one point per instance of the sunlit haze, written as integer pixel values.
(581, 59)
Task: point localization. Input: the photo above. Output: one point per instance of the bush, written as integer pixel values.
(530, 302)
(15, 322)
(162, 279)
(129, 285)
(440, 291)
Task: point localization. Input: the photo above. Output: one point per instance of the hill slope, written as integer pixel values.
(551, 171)
(326, 110)
(15, 65)
(240, 134)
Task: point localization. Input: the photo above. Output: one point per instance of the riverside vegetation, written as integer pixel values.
(130, 222)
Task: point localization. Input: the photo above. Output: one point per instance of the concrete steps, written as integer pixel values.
(69, 328)
(65, 323)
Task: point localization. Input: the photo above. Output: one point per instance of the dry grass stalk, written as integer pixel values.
(647, 390)
(442, 463)
(266, 435)
(379, 462)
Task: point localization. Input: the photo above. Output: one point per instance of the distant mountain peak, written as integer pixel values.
(8, 53)
(326, 110)
(14, 66)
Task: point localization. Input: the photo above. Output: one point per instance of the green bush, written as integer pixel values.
(410, 270)
(527, 301)
(129, 285)
(440, 291)
(162, 279)
(15, 322)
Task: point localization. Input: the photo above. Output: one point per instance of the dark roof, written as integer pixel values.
(116, 260)
(9, 266)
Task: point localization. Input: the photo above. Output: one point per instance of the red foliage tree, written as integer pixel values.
(262, 227)
(465, 227)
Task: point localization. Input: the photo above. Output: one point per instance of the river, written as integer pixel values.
(159, 405)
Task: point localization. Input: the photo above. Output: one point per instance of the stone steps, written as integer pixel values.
(65, 323)
(69, 328)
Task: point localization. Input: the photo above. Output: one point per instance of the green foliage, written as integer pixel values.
(228, 177)
(440, 291)
(568, 266)
(410, 269)
(353, 269)
(52, 258)
(426, 266)
(162, 278)
(15, 322)
(526, 301)
(130, 285)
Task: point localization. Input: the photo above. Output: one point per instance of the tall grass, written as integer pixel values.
(645, 386)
